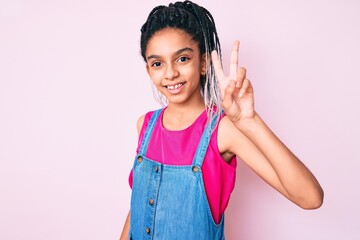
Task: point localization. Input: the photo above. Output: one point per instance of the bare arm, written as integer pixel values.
(270, 159)
(244, 133)
(125, 231)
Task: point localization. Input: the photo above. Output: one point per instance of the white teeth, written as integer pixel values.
(172, 87)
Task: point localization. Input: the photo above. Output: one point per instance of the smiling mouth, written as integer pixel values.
(174, 87)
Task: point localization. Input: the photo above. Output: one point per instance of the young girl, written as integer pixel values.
(184, 171)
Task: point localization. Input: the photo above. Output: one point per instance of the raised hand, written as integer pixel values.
(236, 90)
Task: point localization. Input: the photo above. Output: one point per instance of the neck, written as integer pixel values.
(180, 116)
(185, 109)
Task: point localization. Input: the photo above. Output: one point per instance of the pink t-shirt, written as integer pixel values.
(179, 147)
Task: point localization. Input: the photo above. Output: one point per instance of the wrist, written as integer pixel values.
(248, 125)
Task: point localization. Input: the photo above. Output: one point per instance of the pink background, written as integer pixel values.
(72, 84)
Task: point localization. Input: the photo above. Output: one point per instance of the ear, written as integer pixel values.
(203, 64)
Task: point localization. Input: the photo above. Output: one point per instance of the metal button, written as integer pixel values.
(147, 230)
(140, 158)
(195, 168)
(156, 169)
(151, 201)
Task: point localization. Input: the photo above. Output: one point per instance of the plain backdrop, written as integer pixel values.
(72, 85)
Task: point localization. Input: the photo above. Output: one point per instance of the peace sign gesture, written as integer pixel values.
(236, 90)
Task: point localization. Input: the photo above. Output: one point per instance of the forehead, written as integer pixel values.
(170, 40)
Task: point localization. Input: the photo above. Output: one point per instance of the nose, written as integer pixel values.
(171, 72)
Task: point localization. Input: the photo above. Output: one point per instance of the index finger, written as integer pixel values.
(234, 60)
(219, 72)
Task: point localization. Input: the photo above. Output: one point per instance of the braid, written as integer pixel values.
(200, 25)
(211, 93)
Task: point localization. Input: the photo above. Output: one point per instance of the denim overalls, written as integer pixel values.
(169, 202)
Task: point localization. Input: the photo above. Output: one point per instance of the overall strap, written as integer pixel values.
(204, 143)
(148, 132)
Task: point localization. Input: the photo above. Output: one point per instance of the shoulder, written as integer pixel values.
(225, 126)
(143, 120)
(140, 123)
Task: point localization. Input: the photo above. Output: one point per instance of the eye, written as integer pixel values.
(155, 64)
(183, 59)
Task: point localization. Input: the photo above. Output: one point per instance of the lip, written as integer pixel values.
(175, 88)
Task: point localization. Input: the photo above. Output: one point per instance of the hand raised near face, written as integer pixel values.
(236, 90)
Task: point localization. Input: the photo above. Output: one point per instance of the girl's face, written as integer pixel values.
(174, 65)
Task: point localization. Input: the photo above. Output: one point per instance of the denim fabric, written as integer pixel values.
(169, 202)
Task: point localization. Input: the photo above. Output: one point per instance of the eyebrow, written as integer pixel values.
(176, 53)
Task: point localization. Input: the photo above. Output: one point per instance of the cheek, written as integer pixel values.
(156, 75)
(195, 70)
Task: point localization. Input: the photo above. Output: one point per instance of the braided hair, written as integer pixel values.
(200, 25)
